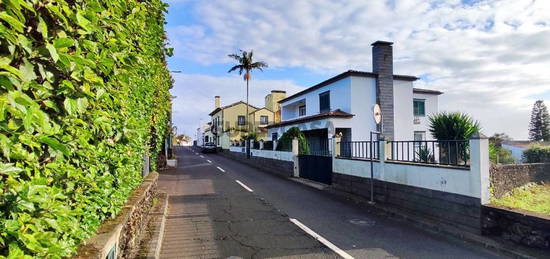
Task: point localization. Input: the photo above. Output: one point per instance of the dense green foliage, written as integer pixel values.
(537, 154)
(285, 141)
(531, 197)
(500, 155)
(84, 94)
(453, 126)
(539, 126)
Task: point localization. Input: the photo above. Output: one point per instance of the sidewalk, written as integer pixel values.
(211, 216)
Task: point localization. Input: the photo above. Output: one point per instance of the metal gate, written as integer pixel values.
(315, 162)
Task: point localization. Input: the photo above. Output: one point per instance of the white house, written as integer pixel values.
(343, 104)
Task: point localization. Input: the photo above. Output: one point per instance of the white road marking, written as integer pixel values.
(321, 239)
(244, 186)
(209, 161)
(202, 156)
(219, 168)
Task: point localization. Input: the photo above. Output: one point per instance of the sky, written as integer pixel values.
(490, 58)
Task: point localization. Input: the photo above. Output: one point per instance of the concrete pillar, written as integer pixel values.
(261, 144)
(295, 153)
(479, 167)
(146, 165)
(382, 155)
(274, 145)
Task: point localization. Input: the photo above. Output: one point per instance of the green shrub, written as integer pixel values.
(500, 155)
(84, 94)
(285, 141)
(537, 154)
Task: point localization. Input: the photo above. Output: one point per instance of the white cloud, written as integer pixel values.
(195, 96)
(490, 57)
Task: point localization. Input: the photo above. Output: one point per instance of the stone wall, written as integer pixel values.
(278, 167)
(123, 230)
(522, 227)
(504, 178)
(456, 210)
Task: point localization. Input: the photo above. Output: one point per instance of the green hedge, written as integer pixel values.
(537, 154)
(84, 94)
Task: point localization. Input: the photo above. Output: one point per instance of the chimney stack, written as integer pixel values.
(217, 102)
(382, 64)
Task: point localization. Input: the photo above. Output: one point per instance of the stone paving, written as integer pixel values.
(211, 216)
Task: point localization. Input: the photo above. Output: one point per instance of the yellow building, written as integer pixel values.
(229, 123)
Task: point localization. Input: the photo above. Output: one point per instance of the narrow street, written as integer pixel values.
(220, 208)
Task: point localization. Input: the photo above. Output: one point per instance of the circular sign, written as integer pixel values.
(377, 113)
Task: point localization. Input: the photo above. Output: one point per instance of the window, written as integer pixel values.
(419, 135)
(324, 102)
(274, 136)
(302, 110)
(419, 107)
(241, 120)
(264, 120)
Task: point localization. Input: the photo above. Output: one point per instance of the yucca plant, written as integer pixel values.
(425, 155)
(453, 126)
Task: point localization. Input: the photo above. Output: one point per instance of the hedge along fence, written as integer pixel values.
(84, 94)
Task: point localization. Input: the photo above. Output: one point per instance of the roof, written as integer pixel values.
(229, 106)
(263, 108)
(344, 75)
(426, 91)
(332, 114)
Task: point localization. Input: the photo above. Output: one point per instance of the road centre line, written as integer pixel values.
(244, 186)
(219, 168)
(321, 239)
(209, 161)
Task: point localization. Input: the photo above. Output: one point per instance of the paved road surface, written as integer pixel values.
(355, 230)
(210, 215)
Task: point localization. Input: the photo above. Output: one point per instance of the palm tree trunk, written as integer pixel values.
(247, 114)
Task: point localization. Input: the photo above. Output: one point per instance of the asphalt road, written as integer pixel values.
(352, 228)
(211, 214)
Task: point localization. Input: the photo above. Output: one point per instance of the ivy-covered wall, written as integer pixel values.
(84, 94)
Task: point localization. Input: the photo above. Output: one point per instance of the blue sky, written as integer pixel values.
(490, 57)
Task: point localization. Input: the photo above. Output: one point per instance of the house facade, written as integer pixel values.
(229, 123)
(344, 104)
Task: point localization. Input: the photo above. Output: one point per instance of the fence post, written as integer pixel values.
(261, 144)
(274, 145)
(295, 153)
(479, 167)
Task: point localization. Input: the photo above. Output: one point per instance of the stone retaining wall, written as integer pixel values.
(122, 231)
(278, 167)
(523, 227)
(504, 178)
(462, 212)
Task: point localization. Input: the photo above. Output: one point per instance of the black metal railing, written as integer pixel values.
(283, 145)
(317, 147)
(268, 145)
(439, 152)
(359, 149)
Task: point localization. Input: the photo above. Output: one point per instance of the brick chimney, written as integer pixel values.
(382, 64)
(217, 102)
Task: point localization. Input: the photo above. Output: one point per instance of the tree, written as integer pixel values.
(498, 138)
(453, 126)
(246, 64)
(539, 127)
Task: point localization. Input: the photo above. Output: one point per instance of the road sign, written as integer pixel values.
(377, 113)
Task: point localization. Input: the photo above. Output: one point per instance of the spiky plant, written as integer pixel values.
(453, 126)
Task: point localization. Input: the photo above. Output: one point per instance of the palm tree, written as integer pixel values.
(246, 64)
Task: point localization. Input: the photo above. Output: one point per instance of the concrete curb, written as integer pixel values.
(152, 246)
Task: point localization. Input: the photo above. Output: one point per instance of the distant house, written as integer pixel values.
(230, 123)
(343, 104)
(518, 146)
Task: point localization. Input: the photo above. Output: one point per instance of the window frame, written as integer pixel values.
(239, 118)
(266, 120)
(322, 95)
(300, 110)
(416, 110)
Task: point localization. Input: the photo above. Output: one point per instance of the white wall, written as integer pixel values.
(431, 106)
(340, 98)
(363, 98)
(237, 149)
(278, 155)
(403, 110)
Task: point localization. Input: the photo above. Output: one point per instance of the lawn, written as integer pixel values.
(531, 197)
